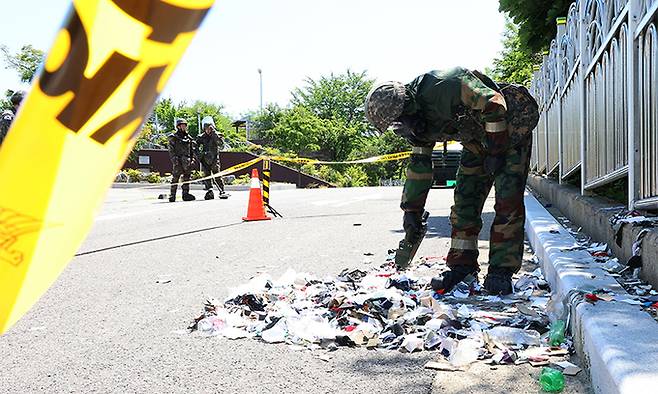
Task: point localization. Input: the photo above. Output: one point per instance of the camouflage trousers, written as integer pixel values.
(473, 187)
(209, 169)
(182, 168)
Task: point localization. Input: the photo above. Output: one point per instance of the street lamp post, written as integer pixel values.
(260, 74)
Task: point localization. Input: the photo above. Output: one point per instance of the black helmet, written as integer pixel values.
(17, 97)
(180, 121)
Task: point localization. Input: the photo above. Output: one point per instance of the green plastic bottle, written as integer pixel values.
(556, 334)
(551, 380)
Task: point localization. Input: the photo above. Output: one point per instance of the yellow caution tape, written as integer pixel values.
(107, 66)
(225, 172)
(374, 159)
(298, 160)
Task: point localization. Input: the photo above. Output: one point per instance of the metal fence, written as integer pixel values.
(597, 90)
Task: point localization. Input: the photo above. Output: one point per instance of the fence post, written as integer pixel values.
(583, 92)
(547, 96)
(633, 102)
(561, 29)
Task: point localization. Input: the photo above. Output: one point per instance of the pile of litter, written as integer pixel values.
(386, 309)
(639, 292)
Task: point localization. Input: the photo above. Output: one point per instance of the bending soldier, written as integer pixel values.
(181, 152)
(464, 105)
(210, 143)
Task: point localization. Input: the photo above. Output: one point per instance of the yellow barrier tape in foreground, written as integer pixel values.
(107, 66)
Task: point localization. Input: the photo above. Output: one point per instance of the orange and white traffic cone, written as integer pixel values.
(256, 208)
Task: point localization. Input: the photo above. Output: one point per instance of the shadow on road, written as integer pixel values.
(158, 238)
(439, 226)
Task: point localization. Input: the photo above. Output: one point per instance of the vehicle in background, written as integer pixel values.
(445, 164)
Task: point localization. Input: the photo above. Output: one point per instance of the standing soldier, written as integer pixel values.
(495, 130)
(8, 116)
(181, 152)
(210, 143)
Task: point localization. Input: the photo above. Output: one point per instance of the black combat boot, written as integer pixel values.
(498, 281)
(209, 195)
(172, 193)
(450, 278)
(188, 197)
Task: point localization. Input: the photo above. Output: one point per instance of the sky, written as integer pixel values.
(291, 40)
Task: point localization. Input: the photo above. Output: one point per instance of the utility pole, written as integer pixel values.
(260, 74)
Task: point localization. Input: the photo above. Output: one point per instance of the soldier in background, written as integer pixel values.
(210, 143)
(7, 117)
(464, 105)
(182, 154)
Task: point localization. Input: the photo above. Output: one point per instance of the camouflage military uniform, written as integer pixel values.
(181, 152)
(435, 100)
(209, 146)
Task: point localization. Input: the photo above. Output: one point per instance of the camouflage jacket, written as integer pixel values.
(6, 120)
(209, 146)
(181, 146)
(452, 105)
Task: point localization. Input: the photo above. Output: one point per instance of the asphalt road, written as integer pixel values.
(115, 320)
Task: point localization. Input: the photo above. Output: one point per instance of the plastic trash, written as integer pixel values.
(467, 352)
(276, 334)
(412, 343)
(556, 333)
(514, 336)
(551, 380)
(212, 325)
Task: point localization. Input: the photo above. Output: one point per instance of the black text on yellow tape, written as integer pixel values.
(104, 71)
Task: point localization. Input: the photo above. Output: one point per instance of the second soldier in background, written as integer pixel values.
(210, 143)
(181, 152)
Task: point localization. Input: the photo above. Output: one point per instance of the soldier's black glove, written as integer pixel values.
(412, 223)
(411, 128)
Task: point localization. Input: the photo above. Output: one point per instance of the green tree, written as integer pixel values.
(301, 131)
(166, 112)
(266, 119)
(26, 61)
(5, 104)
(161, 122)
(339, 97)
(513, 65)
(536, 21)
(387, 142)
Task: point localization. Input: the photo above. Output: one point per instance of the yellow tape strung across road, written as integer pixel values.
(225, 172)
(374, 159)
(108, 64)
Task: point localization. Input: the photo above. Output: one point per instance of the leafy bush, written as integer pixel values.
(134, 175)
(155, 177)
(242, 180)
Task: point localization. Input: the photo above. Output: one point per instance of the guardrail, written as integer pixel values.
(597, 90)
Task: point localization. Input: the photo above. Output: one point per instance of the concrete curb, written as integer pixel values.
(593, 214)
(165, 186)
(618, 341)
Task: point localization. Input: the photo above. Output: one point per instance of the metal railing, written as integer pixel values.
(597, 90)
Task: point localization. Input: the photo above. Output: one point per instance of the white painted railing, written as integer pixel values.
(597, 90)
